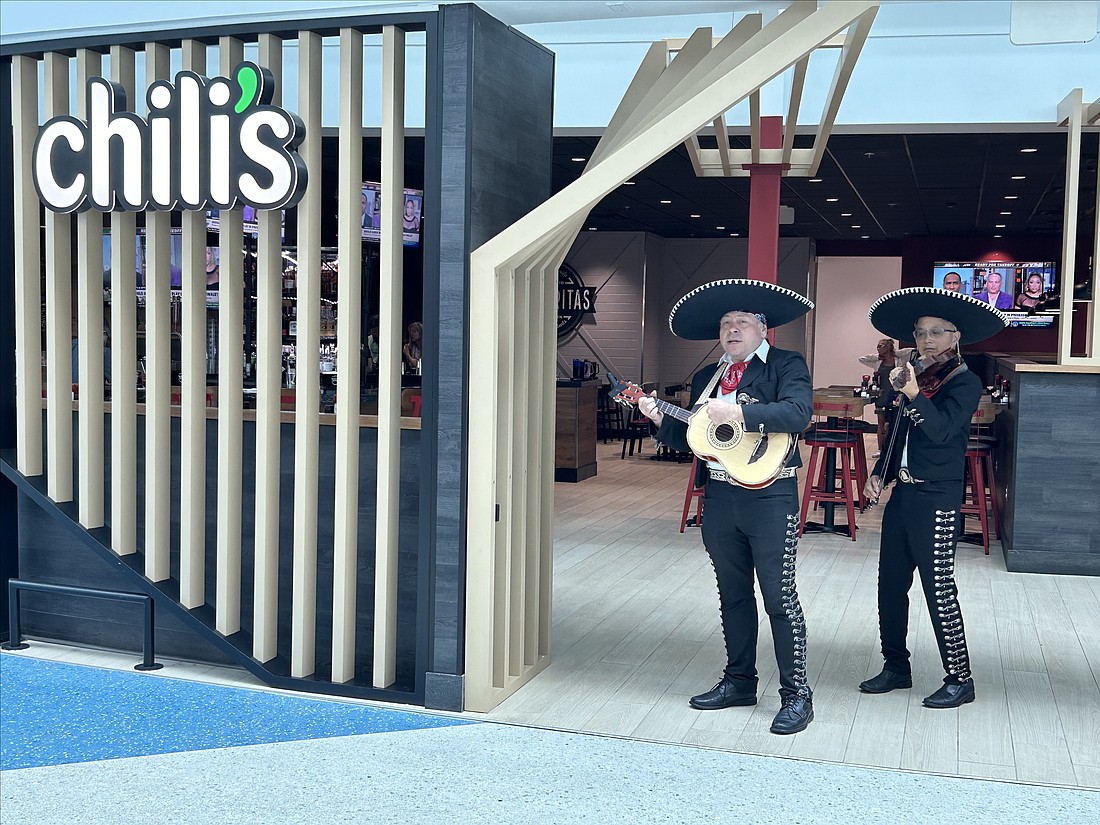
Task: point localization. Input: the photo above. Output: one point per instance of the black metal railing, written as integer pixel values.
(15, 637)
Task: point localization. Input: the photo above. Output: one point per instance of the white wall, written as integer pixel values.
(846, 288)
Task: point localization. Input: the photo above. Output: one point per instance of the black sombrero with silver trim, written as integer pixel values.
(697, 315)
(896, 312)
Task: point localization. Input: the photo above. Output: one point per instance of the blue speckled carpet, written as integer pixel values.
(53, 713)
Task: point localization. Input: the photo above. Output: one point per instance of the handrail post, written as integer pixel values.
(15, 636)
(148, 647)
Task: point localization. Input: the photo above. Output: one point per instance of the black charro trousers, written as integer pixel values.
(744, 530)
(919, 533)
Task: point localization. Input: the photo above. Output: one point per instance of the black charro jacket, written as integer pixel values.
(781, 386)
(938, 429)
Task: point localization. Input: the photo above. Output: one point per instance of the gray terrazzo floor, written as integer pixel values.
(495, 773)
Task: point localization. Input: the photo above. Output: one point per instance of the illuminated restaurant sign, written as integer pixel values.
(207, 143)
(574, 300)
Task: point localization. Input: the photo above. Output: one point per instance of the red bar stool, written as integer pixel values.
(838, 436)
(696, 493)
(980, 489)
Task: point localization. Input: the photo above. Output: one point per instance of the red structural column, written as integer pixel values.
(764, 180)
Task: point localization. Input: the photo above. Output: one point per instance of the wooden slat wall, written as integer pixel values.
(304, 606)
(123, 351)
(269, 347)
(89, 313)
(227, 599)
(28, 272)
(389, 381)
(350, 242)
(158, 356)
(193, 389)
(59, 420)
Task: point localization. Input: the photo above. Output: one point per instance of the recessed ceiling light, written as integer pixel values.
(845, 214)
(578, 160)
(666, 201)
(1006, 213)
(996, 236)
(1019, 177)
(719, 227)
(1029, 150)
(735, 234)
(628, 183)
(832, 200)
(856, 226)
(865, 236)
(815, 180)
(998, 226)
(696, 216)
(591, 229)
(1010, 197)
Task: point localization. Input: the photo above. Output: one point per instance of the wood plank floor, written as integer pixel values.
(636, 633)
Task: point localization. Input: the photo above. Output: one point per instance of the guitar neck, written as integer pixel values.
(679, 413)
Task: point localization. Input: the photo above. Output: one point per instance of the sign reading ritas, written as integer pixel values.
(207, 143)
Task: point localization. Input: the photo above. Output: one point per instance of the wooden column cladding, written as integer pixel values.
(269, 347)
(193, 386)
(89, 332)
(350, 244)
(308, 389)
(389, 379)
(28, 272)
(59, 261)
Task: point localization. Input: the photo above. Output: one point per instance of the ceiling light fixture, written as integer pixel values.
(1006, 213)
(696, 216)
(815, 180)
(1010, 197)
(832, 200)
(996, 236)
(628, 183)
(1019, 177)
(719, 227)
(999, 226)
(856, 226)
(865, 236)
(1029, 149)
(845, 214)
(666, 201)
(735, 234)
(578, 160)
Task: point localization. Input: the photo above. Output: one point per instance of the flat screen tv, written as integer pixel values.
(1014, 287)
(372, 215)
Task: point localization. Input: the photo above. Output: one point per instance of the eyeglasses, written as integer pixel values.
(934, 332)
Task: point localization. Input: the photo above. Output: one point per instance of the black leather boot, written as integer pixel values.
(951, 695)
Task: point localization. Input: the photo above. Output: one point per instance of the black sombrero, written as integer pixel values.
(697, 315)
(895, 313)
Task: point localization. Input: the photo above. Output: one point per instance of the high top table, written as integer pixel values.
(856, 403)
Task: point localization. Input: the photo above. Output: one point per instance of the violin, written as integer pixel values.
(921, 364)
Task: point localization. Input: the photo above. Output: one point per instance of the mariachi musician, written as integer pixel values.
(763, 390)
(926, 455)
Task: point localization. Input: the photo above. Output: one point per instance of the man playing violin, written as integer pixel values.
(764, 389)
(926, 456)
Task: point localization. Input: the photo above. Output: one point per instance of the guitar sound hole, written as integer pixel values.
(725, 432)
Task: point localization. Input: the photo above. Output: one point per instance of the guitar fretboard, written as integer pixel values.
(679, 413)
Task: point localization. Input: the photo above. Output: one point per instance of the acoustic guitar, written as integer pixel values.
(752, 459)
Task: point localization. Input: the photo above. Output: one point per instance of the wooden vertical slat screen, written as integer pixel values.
(269, 347)
(546, 406)
(389, 380)
(505, 413)
(520, 383)
(123, 351)
(89, 314)
(350, 244)
(308, 389)
(59, 419)
(28, 269)
(227, 598)
(158, 362)
(193, 387)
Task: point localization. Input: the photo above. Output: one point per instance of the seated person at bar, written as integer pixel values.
(926, 455)
(749, 529)
(992, 294)
(412, 350)
(1033, 292)
(882, 363)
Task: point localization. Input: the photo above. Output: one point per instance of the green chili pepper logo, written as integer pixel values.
(249, 82)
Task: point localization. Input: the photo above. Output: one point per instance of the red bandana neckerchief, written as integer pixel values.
(733, 376)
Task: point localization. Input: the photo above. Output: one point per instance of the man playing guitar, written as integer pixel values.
(763, 389)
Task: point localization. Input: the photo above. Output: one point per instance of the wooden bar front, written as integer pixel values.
(575, 435)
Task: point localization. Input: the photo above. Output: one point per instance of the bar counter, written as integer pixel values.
(1047, 459)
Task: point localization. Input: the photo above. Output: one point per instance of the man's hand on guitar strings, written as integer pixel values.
(723, 412)
(647, 405)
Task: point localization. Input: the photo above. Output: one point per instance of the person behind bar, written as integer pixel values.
(926, 456)
(885, 359)
(765, 389)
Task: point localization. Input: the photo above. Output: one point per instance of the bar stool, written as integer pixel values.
(838, 436)
(635, 432)
(980, 489)
(696, 493)
(609, 415)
